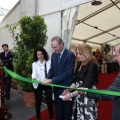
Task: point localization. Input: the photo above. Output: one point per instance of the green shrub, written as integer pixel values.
(32, 34)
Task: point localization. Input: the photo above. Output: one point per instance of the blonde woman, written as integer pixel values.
(86, 76)
(77, 59)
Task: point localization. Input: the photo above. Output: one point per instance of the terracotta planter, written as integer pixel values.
(29, 98)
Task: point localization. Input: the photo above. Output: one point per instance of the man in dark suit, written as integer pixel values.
(61, 73)
(7, 57)
(114, 87)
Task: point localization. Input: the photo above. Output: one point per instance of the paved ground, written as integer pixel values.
(17, 107)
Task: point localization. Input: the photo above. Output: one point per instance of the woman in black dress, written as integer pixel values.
(86, 76)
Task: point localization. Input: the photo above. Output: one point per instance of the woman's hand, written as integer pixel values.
(46, 81)
(80, 92)
(67, 97)
(65, 92)
(81, 88)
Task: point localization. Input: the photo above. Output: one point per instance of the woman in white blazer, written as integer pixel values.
(40, 68)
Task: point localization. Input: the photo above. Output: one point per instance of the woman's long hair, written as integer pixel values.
(45, 54)
(86, 51)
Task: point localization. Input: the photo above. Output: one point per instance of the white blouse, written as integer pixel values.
(38, 71)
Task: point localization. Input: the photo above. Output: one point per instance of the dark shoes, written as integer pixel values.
(7, 97)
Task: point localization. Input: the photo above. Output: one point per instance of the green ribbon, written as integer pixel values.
(18, 77)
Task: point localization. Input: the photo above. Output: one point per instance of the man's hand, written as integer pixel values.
(46, 81)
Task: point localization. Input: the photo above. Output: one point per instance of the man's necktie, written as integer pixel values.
(59, 57)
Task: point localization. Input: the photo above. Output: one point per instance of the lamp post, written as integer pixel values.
(4, 114)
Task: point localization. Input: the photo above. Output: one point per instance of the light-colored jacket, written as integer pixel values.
(38, 71)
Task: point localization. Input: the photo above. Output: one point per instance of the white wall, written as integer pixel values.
(44, 7)
(4, 38)
(12, 17)
(53, 22)
(27, 7)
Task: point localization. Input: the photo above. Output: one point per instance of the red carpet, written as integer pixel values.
(104, 107)
(44, 116)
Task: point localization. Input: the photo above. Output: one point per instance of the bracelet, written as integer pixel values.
(71, 95)
(71, 90)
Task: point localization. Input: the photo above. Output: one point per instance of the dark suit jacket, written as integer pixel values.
(7, 60)
(62, 73)
(116, 105)
(88, 74)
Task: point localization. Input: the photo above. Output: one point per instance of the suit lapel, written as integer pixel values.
(7, 54)
(56, 61)
(63, 57)
(4, 54)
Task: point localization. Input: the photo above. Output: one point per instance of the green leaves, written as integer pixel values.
(33, 30)
(32, 34)
(106, 48)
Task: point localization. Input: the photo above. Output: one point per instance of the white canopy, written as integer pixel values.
(97, 25)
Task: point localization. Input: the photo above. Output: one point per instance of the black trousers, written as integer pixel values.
(38, 96)
(63, 109)
(7, 83)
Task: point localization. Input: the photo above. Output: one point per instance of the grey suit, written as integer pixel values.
(116, 104)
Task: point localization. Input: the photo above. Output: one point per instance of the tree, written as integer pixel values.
(32, 34)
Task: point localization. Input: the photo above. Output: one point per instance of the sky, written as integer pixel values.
(7, 4)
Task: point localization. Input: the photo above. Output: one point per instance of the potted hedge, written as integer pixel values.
(32, 34)
(106, 49)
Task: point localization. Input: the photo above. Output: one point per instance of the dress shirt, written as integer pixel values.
(6, 53)
(38, 71)
(61, 53)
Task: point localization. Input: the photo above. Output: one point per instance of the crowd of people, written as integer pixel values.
(79, 69)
